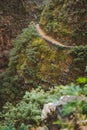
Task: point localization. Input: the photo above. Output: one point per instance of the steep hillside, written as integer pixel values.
(13, 19)
(14, 16)
(66, 20)
(34, 62)
(42, 57)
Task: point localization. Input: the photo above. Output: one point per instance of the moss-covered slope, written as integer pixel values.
(33, 62)
(37, 62)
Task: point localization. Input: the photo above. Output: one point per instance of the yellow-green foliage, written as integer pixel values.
(36, 61)
(66, 20)
(45, 63)
(33, 62)
(27, 112)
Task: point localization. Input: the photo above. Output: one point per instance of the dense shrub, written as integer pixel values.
(28, 111)
(79, 54)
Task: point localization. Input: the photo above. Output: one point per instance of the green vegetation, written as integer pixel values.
(37, 69)
(28, 111)
(79, 54)
(32, 63)
(66, 20)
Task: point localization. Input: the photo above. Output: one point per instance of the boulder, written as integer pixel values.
(53, 111)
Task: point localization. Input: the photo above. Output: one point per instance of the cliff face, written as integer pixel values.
(12, 19)
(14, 16)
(66, 20)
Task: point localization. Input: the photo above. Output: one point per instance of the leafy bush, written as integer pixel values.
(28, 111)
(79, 54)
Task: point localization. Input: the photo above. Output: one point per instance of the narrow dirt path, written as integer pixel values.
(50, 39)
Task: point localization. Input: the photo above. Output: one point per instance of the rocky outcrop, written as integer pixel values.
(53, 111)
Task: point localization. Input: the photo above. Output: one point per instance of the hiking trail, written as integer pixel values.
(51, 40)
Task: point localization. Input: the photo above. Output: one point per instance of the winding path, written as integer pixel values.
(51, 40)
